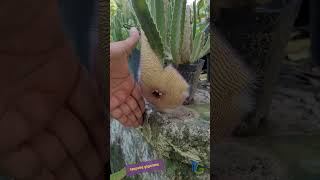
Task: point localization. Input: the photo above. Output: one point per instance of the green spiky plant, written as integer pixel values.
(173, 30)
(121, 14)
(200, 28)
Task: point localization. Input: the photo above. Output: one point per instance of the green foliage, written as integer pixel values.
(170, 167)
(121, 14)
(203, 10)
(194, 30)
(200, 21)
(119, 175)
(113, 8)
(175, 31)
(149, 27)
(159, 16)
(201, 44)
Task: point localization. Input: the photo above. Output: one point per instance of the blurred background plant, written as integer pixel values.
(121, 16)
(200, 29)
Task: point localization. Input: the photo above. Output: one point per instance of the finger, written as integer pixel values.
(35, 110)
(125, 46)
(22, 163)
(67, 171)
(117, 113)
(137, 94)
(134, 107)
(142, 104)
(38, 109)
(123, 119)
(117, 98)
(84, 105)
(132, 118)
(132, 41)
(50, 149)
(27, 117)
(69, 131)
(89, 162)
(135, 123)
(76, 141)
(128, 124)
(139, 115)
(45, 174)
(125, 109)
(142, 109)
(137, 111)
(14, 130)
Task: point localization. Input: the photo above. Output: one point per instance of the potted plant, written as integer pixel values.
(176, 35)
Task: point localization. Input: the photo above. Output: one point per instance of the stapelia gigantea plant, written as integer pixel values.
(173, 35)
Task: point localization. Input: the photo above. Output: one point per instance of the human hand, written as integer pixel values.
(126, 102)
(52, 124)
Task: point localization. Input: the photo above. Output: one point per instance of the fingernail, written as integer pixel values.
(133, 30)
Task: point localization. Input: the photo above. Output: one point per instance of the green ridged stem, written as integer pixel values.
(160, 18)
(196, 47)
(205, 49)
(149, 27)
(177, 27)
(186, 46)
(194, 29)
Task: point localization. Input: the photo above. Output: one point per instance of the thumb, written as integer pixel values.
(131, 42)
(126, 46)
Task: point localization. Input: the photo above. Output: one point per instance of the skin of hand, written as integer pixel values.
(52, 123)
(126, 101)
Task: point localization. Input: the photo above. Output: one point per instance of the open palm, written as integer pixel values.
(126, 102)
